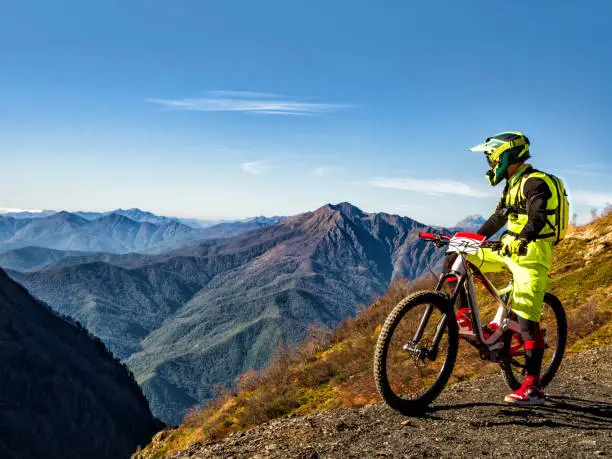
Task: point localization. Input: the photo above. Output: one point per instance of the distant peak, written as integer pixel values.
(64, 214)
(133, 210)
(346, 208)
(262, 219)
(471, 221)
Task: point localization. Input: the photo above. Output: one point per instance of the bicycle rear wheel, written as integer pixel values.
(554, 324)
(408, 370)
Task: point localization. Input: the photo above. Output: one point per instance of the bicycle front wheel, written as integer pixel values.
(410, 369)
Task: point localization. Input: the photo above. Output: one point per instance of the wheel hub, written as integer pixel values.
(419, 353)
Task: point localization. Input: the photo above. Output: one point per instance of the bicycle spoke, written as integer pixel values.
(409, 368)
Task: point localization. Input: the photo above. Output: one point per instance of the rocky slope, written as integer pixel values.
(468, 420)
(62, 393)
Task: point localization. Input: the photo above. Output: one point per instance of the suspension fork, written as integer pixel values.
(461, 280)
(432, 352)
(424, 320)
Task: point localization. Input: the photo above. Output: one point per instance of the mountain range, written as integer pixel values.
(26, 213)
(62, 393)
(200, 315)
(142, 216)
(116, 232)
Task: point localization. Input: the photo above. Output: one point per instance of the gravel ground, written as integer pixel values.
(469, 419)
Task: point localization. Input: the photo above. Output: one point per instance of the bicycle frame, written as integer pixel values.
(465, 272)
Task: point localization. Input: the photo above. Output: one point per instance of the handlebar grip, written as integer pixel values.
(427, 235)
(494, 245)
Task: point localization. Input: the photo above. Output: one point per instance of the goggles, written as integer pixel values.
(496, 147)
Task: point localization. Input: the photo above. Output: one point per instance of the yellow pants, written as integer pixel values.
(530, 274)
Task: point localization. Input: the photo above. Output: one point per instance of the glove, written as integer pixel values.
(514, 247)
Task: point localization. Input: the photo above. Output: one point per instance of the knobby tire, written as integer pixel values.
(419, 404)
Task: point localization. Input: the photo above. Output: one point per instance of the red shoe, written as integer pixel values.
(529, 394)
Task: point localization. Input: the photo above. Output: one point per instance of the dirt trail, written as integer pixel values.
(468, 420)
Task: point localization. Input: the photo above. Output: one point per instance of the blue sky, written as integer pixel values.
(226, 109)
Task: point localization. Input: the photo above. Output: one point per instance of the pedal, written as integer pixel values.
(467, 333)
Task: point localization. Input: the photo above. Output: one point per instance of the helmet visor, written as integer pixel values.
(489, 146)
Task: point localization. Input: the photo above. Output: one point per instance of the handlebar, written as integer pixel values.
(433, 236)
(441, 240)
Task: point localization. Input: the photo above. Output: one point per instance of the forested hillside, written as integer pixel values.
(62, 393)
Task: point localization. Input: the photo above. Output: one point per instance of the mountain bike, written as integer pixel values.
(418, 343)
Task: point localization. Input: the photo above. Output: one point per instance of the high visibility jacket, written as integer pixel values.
(515, 203)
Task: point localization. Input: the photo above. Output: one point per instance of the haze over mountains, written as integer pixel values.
(138, 216)
(115, 232)
(189, 318)
(133, 213)
(27, 213)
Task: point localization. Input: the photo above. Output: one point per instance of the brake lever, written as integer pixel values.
(439, 242)
(495, 245)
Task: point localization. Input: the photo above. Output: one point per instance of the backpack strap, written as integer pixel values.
(521, 205)
(539, 236)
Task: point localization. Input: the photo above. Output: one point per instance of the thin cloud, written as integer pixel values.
(243, 94)
(280, 112)
(430, 186)
(7, 210)
(247, 102)
(254, 167)
(321, 171)
(586, 173)
(590, 198)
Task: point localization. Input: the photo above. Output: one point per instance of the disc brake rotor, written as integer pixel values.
(419, 353)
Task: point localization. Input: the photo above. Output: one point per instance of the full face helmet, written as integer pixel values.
(502, 150)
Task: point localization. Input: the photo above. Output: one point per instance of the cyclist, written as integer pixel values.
(527, 206)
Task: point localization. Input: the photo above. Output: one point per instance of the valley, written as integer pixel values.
(196, 317)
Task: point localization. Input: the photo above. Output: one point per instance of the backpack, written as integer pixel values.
(561, 212)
